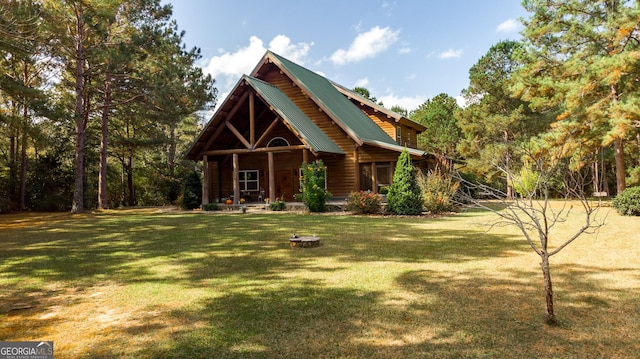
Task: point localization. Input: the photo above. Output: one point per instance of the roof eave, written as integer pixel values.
(397, 148)
(391, 114)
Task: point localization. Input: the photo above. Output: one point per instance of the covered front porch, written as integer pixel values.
(267, 173)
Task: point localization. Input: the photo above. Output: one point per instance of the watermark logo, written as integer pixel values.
(26, 350)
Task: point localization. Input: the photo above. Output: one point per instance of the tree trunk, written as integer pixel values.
(13, 172)
(621, 172)
(123, 187)
(130, 194)
(596, 173)
(103, 200)
(548, 288)
(171, 155)
(77, 205)
(507, 160)
(23, 161)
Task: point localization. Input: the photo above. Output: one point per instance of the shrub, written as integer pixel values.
(277, 205)
(363, 202)
(192, 192)
(314, 194)
(525, 183)
(404, 196)
(211, 207)
(627, 203)
(438, 191)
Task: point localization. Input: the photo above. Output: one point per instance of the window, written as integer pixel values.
(249, 180)
(383, 176)
(399, 135)
(278, 142)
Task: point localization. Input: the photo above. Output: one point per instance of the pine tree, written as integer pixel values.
(582, 57)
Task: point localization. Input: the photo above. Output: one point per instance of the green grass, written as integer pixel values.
(155, 284)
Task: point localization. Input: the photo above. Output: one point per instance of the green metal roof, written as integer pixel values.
(347, 115)
(311, 134)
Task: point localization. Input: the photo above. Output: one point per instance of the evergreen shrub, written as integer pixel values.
(404, 196)
(627, 203)
(192, 191)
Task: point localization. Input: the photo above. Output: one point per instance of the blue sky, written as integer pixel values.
(404, 52)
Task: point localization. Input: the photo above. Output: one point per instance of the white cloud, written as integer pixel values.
(510, 25)
(407, 102)
(366, 45)
(404, 50)
(297, 53)
(362, 82)
(451, 54)
(229, 66)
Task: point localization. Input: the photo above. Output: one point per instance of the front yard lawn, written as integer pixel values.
(156, 284)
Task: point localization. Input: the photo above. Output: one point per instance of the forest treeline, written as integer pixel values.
(100, 98)
(566, 95)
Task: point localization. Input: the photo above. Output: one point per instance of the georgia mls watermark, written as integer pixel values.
(26, 350)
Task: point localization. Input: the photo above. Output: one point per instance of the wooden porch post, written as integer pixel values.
(236, 179)
(305, 156)
(206, 181)
(252, 120)
(356, 170)
(374, 177)
(272, 178)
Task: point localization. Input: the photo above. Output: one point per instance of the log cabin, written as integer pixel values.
(283, 115)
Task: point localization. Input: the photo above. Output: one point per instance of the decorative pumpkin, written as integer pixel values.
(229, 201)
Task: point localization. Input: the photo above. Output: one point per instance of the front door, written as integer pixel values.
(284, 184)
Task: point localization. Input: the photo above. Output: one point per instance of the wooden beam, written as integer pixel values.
(267, 131)
(257, 150)
(236, 179)
(305, 156)
(272, 178)
(214, 136)
(206, 182)
(238, 134)
(227, 117)
(356, 164)
(252, 120)
(374, 177)
(236, 107)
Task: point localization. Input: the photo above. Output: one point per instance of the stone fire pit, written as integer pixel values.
(304, 241)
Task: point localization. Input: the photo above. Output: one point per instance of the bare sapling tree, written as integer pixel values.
(535, 215)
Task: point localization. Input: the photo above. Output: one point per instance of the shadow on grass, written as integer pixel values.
(259, 312)
(445, 317)
(128, 248)
(505, 317)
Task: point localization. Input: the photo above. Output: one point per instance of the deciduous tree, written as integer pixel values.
(537, 218)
